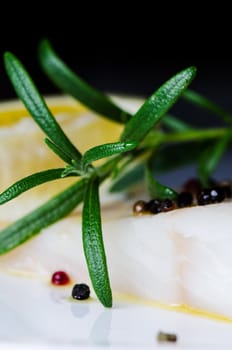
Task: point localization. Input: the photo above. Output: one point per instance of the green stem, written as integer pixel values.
(195, 135)
(104, 170)
(189, 135)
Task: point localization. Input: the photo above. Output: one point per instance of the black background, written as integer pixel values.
(130, 52)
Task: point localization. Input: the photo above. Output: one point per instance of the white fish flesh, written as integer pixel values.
(179, 257)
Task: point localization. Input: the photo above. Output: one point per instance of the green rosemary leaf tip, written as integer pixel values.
(156, 189)
(93, 243)
(157, 105)
(36, 105)
(29, 182)
(106, 150)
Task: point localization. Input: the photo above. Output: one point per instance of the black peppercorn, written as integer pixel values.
(204, 197)
(184, 199)
(153, 206)
(217, 195)
(80, 291)
(167, 205)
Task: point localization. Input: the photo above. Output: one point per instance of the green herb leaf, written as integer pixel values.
(175, 124)
(58, 151)
(210, 158)
(34, 102)
(45, 215)
(205, 103)
(106, 150)
(93, 243)
(69, 82)
(156, 189)
(29, 182)
(157, 105)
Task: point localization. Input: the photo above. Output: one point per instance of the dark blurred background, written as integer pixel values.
(129, 52)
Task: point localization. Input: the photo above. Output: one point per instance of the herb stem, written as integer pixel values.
(195, 135)
(188, 135)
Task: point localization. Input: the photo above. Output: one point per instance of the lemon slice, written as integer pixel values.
(24, 152)
(22, 147)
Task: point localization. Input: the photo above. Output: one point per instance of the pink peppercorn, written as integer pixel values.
(60, 278)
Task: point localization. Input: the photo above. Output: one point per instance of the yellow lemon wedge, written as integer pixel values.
(23, 151)
(22, 148)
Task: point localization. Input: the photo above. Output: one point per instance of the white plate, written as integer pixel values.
(34, 315)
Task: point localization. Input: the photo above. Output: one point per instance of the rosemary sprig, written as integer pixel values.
(143, 151)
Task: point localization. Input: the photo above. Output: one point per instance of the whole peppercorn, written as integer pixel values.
(184, 199)
(139, 207)
(80, 291)
(60, 278)
(204, 197)
(153, 206)
(217, 195)
(167, 205)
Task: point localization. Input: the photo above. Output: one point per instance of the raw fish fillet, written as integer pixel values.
(179, 257)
